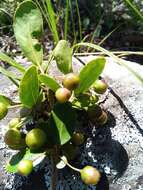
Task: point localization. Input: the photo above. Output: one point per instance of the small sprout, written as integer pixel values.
(63, 95)
(71, 81)
(25, 167)
(78, 138)
(14, 122)
(90, 175)
(103, 118)
(35, 139)
(3, 110)
(100, 86)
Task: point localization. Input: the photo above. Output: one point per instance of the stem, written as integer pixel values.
(51, 56)
(70, 166)
(75, 169)
(15, 106)
(54, 173)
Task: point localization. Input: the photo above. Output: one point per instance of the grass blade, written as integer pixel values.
(79, 20)
(52, 20)
(114, 57)
(134, 8)
(66, 20)
(72, 22)
(11, 62)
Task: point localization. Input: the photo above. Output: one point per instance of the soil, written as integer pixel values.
(115, 149)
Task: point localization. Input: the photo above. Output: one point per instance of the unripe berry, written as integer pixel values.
(100, 87)
(35, 139)
(25, 167)
(14, 122)
(78, 138)
(12, 137)
(90, 175)
(63, 95)
(3, 110)
(103, 118)
(71, 81)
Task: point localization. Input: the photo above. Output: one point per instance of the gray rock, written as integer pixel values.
(116, 149)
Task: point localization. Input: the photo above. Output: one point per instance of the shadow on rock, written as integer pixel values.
(108, 152)
(35, 181)
(103, 183)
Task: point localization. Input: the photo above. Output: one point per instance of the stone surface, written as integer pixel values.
(116, 149)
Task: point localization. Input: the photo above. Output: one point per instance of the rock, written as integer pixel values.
(116, 149)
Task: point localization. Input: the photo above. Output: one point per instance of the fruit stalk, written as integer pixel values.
(73, 168)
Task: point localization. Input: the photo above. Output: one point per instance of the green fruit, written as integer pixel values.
(94, 112)
(14, 122)
(63, 95)
(25, 167)
(71, 81)
(100, 87)
(12, 137)
(103, 118)
(35, 139)
(78, 138)
(70, 151)
(90, 175)
(3, 110)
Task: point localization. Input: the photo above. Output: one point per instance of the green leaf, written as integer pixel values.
(28, 27)
(62, 123)
(10, 61)
(50, 82)
(90, 73)
(63, 56)
(22, 155)
(5, 100)
(29, 87)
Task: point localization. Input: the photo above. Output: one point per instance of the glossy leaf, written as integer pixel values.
(50, 82)
(22, 155)
(63, 56)
(28, 26)
(62, 123)
(29, 87)
(5, 100)
(10, 61)
(90, 73)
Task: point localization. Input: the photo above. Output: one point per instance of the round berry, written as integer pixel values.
(103, 118)
(25, 167)
(35, 139)
(3, 110)
(71, 81)
(12, 137)
(63, 95)
(78, 138)
(90, 175)
(14, 122)
(100, 87)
